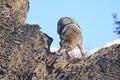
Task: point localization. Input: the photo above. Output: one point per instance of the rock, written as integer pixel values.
(13, 13)
(103, 65)
(25, 52)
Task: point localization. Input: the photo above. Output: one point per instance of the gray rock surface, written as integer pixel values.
(25, 52)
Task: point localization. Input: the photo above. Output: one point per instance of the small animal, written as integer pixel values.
(70, 36)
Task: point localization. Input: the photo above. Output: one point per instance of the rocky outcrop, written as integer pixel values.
(13, 13)
(21, 52)
(25, 52)
(103, 65)
(21, 45)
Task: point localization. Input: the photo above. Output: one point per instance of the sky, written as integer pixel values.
(93, 16)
